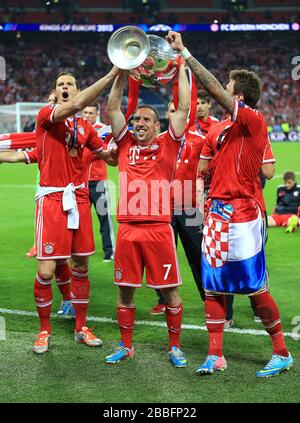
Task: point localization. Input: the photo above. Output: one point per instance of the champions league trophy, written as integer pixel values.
(149, 58)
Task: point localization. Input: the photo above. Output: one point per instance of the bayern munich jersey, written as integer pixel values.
(146, 172)
(57, 167)
(210, 151)
(241, 145)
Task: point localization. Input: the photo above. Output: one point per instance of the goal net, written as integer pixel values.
(19, 117)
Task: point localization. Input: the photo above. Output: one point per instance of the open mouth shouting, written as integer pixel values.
(65, 96)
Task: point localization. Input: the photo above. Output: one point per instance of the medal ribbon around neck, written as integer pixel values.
(74, 142)
(75, 139)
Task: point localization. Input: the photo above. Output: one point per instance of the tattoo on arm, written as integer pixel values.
(211, 84)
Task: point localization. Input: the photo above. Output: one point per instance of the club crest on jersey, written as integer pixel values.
(154, 147)
(118, 274)
(81, 130)
(48, 247)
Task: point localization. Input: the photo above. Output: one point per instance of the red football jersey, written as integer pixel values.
(145, 175)
(242, 146)
(96, 169)
(205, 125)
(57, 167)
(186, 175)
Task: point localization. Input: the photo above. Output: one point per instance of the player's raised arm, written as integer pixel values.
(209, 82)
(12, 157)
(179, 118)
(116, 117)
(69, 106)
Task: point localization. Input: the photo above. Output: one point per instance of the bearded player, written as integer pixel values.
(233, 258)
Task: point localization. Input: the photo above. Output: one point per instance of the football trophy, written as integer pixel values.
(149, 59)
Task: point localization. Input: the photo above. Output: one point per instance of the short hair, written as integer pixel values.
(95, 105)
(289, 176)
(203, 96)
(247, 83)
(66, 73)
(145, 106)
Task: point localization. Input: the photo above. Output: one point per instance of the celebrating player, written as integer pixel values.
(145, 238)
(63, 219)
(233, 259)
(267, 171)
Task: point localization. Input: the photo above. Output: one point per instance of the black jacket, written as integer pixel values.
(288, 201)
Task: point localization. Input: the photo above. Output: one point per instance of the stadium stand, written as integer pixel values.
(29, 60)
(167, 11)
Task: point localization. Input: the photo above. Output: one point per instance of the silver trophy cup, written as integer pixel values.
(149, 58)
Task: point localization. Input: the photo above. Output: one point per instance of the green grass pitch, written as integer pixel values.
(71, 372)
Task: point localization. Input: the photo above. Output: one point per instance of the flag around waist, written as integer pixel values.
(233, 256)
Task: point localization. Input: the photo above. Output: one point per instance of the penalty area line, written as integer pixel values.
(141, 323)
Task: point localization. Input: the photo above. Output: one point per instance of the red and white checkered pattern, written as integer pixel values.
(215, 241)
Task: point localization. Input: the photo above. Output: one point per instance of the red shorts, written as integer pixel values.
(53, 238)
(150, 246)
(282, 219)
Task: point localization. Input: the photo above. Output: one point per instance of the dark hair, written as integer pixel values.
(289, 176)
(247, 83)
(95, 105)
(145, 106)
(66, 73)
(203, 96)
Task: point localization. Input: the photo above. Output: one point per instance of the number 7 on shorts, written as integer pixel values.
(168, 267)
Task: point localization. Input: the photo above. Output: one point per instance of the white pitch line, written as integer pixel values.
(144, 323)
(16, 186)
(280, 176)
